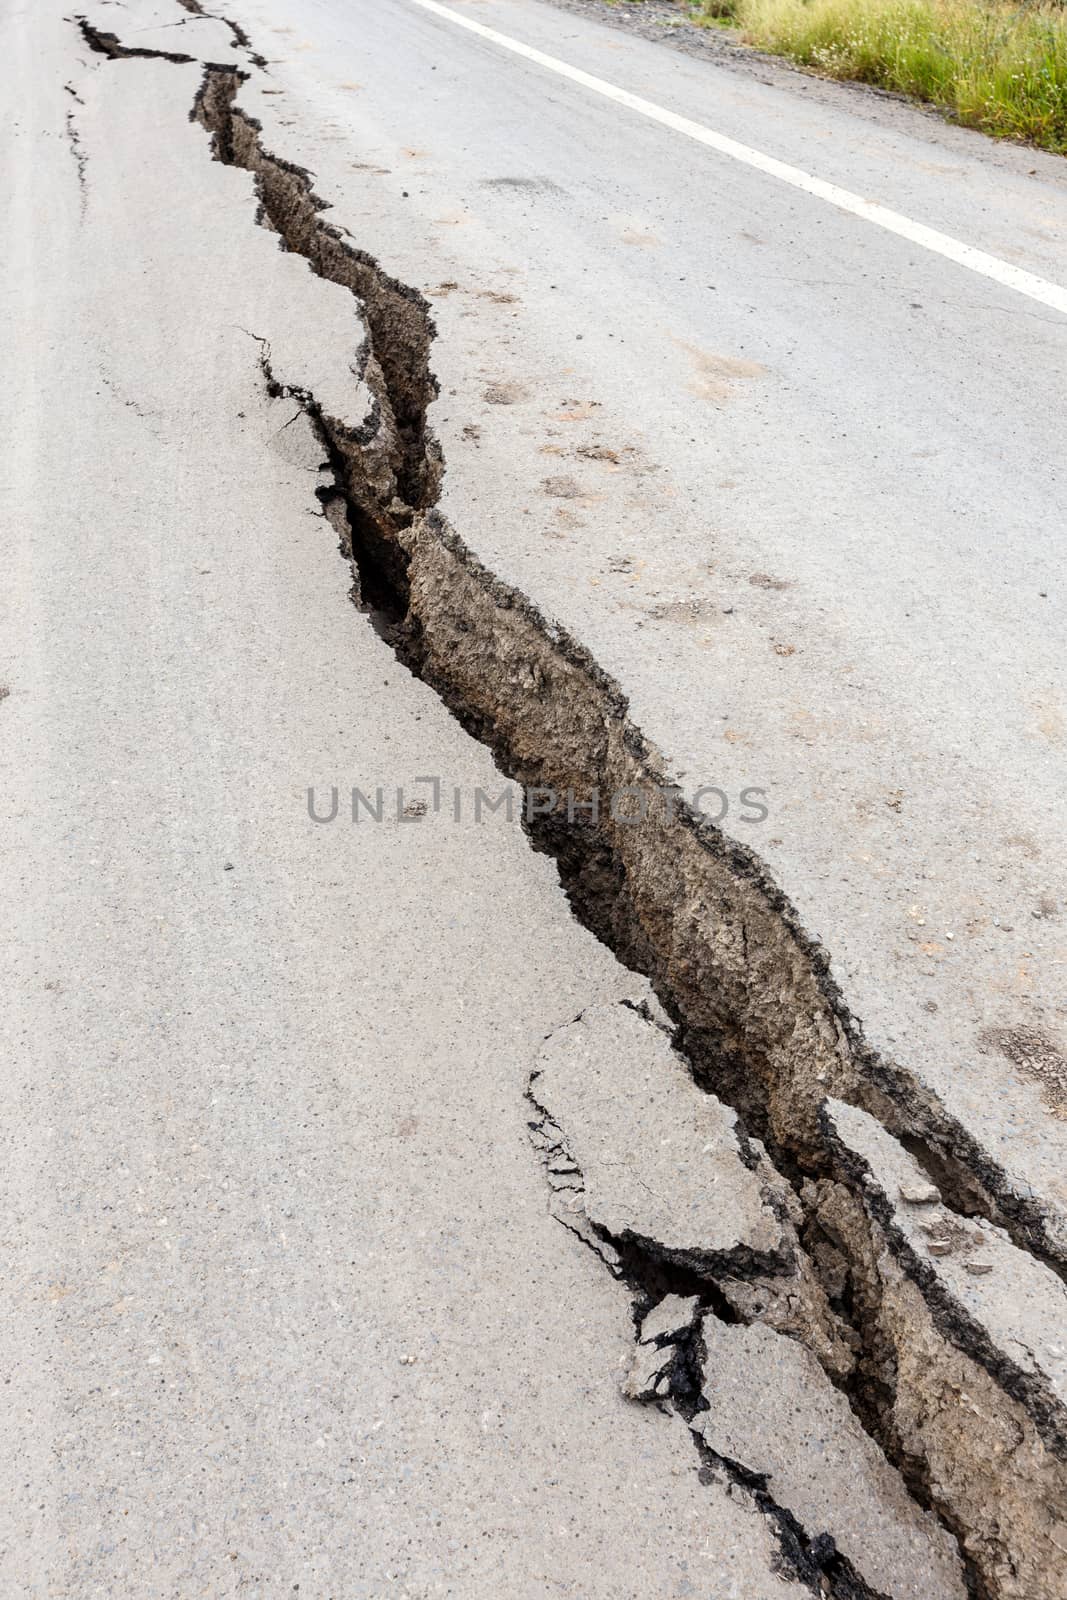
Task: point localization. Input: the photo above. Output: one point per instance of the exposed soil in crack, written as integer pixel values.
(733, 1288)
(757, 1014)
(405, 475)
(675, 1370)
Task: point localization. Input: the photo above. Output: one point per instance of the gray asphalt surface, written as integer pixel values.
(285, 1307)
(828, 560)
(287, 1304)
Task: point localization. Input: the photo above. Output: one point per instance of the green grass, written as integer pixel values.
(992, 66)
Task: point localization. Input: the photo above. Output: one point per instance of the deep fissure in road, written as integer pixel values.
(756, 1013)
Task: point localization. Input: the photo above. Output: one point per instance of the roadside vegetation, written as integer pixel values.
(988, 64)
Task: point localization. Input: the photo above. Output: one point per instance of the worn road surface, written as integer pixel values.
(390, 1208)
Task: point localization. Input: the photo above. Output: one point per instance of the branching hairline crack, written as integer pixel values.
(240, 37)
(77, 150)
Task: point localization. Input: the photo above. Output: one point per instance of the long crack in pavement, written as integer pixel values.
(808, 1236)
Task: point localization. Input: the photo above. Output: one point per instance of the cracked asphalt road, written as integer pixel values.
(820, 547)
(291, 1308)
(286, 1307)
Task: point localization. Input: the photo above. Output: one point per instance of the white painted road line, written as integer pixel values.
(942, 244)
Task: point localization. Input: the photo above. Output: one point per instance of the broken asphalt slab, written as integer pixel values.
(661, 1161)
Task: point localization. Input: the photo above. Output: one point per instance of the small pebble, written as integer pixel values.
(919, 1194)
(979, 1268)
(940, 1247)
